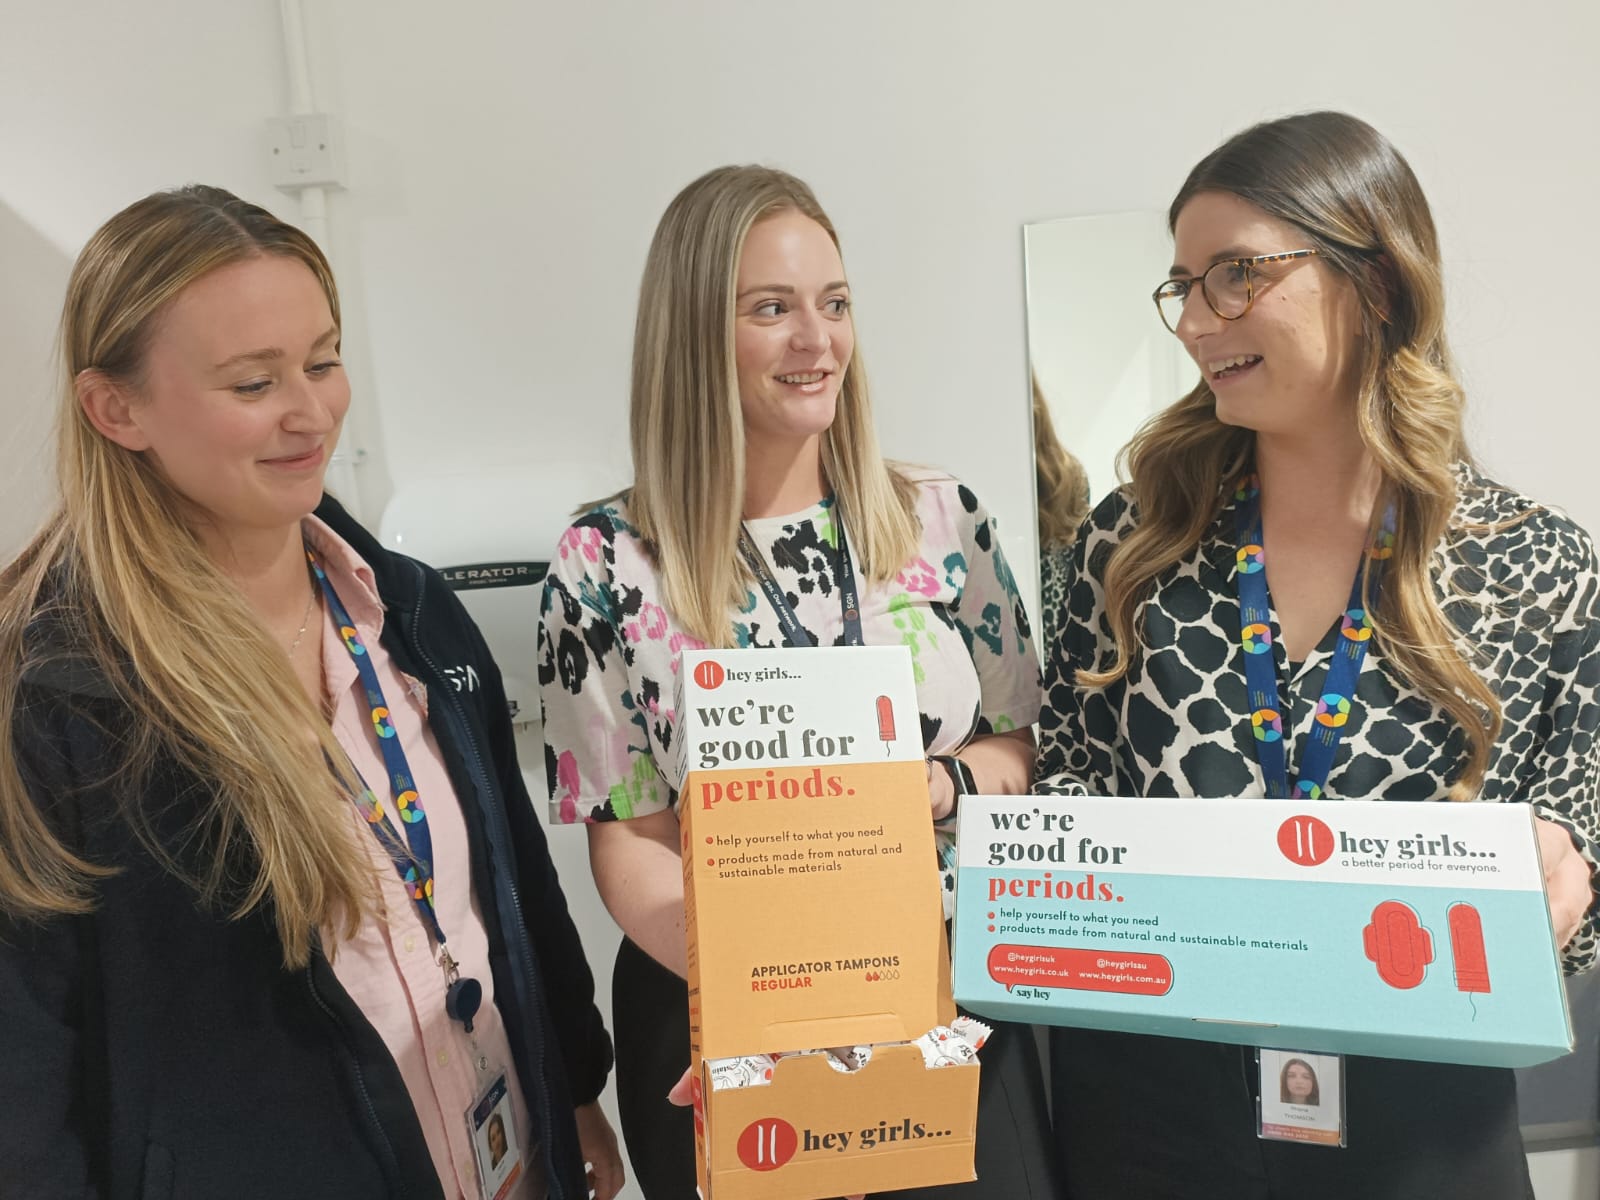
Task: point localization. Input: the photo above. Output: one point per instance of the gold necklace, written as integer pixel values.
(305, 620)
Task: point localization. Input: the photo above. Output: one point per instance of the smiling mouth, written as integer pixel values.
(802, 377)
(1227, 368)
(295, 460)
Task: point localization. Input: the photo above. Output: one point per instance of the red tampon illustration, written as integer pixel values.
(1466, 948)
(1398, 944)
(885, 722)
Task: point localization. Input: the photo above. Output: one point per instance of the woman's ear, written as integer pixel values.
(109, 406)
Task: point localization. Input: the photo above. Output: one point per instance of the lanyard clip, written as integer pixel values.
(452, 971)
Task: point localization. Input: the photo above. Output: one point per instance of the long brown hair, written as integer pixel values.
(121, 575)
(687, 428)
(1063, 485)
(1357, 201)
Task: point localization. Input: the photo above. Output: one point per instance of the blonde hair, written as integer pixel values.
(122, 581)
(1359, 204)
(686, 425)
(1063, 485)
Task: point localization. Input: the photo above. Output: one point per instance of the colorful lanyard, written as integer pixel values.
(1337, 702)
(794, 633)
(414, 862)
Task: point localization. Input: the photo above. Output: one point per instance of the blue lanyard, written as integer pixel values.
(794, 633)
(1337, 703)
(413, 861)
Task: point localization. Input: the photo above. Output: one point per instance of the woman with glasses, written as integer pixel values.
(760, 506)
(1454, 622)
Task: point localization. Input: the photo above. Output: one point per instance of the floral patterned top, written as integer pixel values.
(608, 646)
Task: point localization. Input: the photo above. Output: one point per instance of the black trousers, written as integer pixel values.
(1147, 1118)
(651, 1019)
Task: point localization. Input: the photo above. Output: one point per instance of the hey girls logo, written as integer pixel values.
(767, 1144)
(709, 675)
(1307, 841)
(772, 1142)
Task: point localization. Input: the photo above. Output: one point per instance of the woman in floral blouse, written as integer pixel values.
(749, 409)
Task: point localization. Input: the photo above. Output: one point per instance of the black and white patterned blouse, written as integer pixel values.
(1055, 569)
(1517, 580)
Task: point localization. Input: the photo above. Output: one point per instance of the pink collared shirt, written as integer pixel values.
(391, 968)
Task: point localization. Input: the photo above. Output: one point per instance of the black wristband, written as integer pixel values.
(961, 778)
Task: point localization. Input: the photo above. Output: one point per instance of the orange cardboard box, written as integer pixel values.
(814, 920)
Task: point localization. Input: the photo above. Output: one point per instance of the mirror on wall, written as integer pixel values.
(1101, 359)
(1102, 363)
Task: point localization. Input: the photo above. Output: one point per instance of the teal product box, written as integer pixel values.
(1416, 931)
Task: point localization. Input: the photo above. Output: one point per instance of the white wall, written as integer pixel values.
(508, 161)
(507, 164)
(38, 270)
(103, 101)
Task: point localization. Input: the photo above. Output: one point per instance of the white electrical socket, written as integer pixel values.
(305, 151)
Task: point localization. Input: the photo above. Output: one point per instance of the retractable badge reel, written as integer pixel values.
(462, 997)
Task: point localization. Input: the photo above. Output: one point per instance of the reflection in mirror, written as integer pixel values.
(1102, 363)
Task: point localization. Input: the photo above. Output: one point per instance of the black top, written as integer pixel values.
(154, 1048)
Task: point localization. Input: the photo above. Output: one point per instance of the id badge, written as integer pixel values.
(495, 1140)
(1300, 1097)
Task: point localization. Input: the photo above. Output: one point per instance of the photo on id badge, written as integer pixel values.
(1300, 1097)
(495, 1141)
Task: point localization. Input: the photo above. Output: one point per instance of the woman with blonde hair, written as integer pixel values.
(760, 506)
(242, 807)
(1445, 626)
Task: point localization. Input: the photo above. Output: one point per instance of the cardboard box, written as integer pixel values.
(1414, 931)
(814, 920)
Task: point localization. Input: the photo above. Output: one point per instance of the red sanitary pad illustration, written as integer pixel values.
(1466, 949)
(1398, 944)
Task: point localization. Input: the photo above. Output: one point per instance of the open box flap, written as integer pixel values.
(818, 1132)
